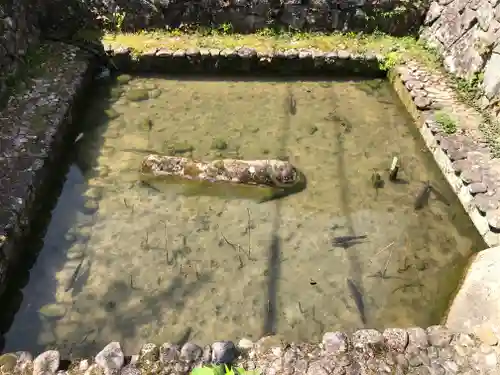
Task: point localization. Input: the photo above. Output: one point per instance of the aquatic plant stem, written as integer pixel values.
(387, 263)
(249, 230)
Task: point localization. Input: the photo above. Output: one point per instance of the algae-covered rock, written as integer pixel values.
(155, 93)
(123, 79)
(115, 93)
(136, 95)
(7, 362)
(177, 148)
(219, 144)
(53, 310)
(111, 113)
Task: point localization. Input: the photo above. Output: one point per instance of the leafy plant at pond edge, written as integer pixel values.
(446, 122)
(222, 370)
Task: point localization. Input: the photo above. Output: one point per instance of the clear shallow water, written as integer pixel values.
(121, 261)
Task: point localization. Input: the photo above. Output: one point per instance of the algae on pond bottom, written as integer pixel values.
(172, 264)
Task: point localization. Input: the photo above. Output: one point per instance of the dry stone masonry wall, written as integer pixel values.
(394, 16)
(393, 351)
(467, 34)
(18, 31)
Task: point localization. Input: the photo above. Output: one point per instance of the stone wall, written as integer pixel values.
(467, 34)
(18, 30)
(392, 16)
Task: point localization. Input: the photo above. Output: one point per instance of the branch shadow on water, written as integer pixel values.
(273, 275)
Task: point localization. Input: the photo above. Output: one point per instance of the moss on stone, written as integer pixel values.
(178, 148)
(219, 144)
(136, 95)
(398, 48)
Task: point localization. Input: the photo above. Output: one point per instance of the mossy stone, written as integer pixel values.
(178, 148)
(8, 362)
(53, 310)
(111, 113)
(115, 93)
(137, 95)
(153, 94)
(123, 79)
(219, 144)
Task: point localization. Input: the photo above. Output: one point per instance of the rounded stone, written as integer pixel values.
(223, 352)
(46, 363)
(169, 353)
(367, 338)
(111, 357)
(190, 352)
(486, 335)
(8, 361)
(493, 218)
(422, 102)
(478, 187)
(417, 337)
(335, 342)
(472, 174)
(149, 352)
(245, 344)
(206, 357)
(485, 203)
(396, 339)
(439, 336)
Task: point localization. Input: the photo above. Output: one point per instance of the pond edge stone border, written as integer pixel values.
(34, 130)
(463, 157)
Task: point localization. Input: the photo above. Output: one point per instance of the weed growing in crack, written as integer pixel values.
(447, 123)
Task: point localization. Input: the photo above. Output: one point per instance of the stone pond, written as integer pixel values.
(36, 132)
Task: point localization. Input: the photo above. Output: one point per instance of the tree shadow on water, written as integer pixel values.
(128, 309)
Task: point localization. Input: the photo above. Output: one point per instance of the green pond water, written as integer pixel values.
(127, 262)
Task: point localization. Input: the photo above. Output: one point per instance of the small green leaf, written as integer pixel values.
(203, 371)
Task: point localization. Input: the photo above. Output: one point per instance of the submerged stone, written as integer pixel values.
(46, 363)
(178, 148)
(8, 361)
(153, 94)
(111, 114)
(123, 78)
(115, 93)
(137, 95)
(219, 144)
(53, 310)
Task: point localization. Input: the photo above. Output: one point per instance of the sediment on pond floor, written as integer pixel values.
(432, 360)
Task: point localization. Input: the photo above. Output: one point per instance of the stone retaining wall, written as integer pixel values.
(397, 17)
(18, 31)
(34, 132)
(467, 34)
(435, 350)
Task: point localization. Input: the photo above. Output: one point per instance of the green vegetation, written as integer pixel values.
(447, 123)
(395, 48)
(222, 370)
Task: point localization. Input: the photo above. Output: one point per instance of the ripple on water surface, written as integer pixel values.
(126, 262)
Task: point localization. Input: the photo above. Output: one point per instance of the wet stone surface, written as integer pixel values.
(472, 166)
(33, 125)
(435, 350)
